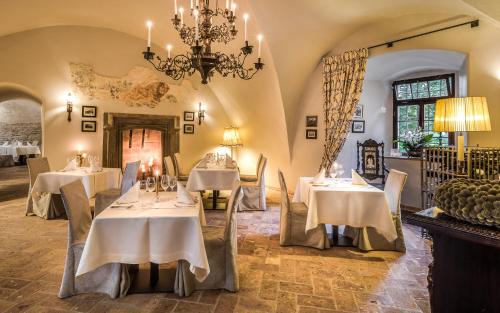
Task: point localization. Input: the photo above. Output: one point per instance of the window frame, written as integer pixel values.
(420, 102)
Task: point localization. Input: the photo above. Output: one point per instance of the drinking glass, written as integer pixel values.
(165, 182)
(150, 184)
(173, 182)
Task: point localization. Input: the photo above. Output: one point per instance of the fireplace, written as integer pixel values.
(134, 137)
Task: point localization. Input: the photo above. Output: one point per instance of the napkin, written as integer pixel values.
(356, 179)
(229, 161)
(28, 144)
(5, 144)
(183, 196)
(203, 163)
(71, 166)
(131, 196)
(320, 177)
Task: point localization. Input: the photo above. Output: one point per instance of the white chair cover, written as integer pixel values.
(222, 250)
(111, 279)
(103, 199)
(367, 238)
(253, 178)
(254, 193)
(293, 218)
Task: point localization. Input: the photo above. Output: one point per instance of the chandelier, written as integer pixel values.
(200, 38)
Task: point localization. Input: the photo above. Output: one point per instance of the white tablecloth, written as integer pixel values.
(150, 231)
(93, 182)
(342, 203)
(16, 151)
(212, 178)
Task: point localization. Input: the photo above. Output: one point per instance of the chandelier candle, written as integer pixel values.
(212, 25)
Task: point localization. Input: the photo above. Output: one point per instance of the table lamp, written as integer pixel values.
(462, 115)
(231, 138)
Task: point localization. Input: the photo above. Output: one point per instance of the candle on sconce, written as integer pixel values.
(197, 3)
(245, 18)
(169, 50)
(175, 7)
(181, 11)
(191, 4)
(259, 38)
(227, 4)
(233, 8)
(149, 25)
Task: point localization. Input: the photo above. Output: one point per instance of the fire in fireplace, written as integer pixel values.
(144, 145)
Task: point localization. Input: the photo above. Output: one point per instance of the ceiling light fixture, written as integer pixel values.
(200, 38)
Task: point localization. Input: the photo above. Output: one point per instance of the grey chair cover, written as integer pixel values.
(43, 204)
(104, 198)
(254, 193)
(293, 223)
(252, 178)
(222, 250)
(112, 279)
(367, 238)
(177, 165)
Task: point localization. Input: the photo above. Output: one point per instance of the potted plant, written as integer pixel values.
(414, 141)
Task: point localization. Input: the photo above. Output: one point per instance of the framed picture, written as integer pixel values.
(311, 133)
(188, 128)
(312, 121)
(358, 126)
(89, 111)
(188, 116)
(89, 126)
(358, 112)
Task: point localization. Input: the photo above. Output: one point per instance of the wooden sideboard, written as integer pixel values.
(465, 273)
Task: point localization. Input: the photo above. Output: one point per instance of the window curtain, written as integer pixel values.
(343, 77)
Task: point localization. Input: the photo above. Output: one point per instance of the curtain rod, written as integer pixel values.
(389, 44)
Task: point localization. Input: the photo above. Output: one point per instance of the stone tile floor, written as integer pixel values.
(273, 278)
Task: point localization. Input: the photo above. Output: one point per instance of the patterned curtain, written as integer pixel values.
(342, 84)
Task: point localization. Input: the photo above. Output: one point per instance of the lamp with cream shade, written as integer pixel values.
(231, 138)
(462, 115)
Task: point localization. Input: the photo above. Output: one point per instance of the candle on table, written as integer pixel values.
(149, 24)
(259, 38)
(245, 17)
(196, 30)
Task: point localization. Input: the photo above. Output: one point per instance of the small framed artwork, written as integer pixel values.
(312, 121)
(89, 111)
(189, 129)
(358, 112)
(358, 127)
(89, 126)
(188, 116)
(311, 133)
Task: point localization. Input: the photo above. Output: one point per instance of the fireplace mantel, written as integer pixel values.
(115, 123)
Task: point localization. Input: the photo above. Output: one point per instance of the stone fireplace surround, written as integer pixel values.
(115, 123)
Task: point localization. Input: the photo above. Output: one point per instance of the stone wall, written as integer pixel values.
(20, 120)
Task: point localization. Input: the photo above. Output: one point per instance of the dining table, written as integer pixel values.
(337, 201)
(155, 229)
(93, 181)
(215, 176)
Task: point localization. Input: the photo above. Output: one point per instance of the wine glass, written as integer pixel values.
(165, 182)
(151, 184)
(173, 182)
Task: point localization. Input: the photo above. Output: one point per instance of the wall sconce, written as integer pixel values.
(69, 105)
(201, 114)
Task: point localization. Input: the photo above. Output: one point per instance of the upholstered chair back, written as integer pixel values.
(169, 166)
(261, 171)
(130, 176)
(393, 189)
(77, 209)
(37, 166)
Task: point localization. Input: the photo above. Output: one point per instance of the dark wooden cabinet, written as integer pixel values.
(465, 273)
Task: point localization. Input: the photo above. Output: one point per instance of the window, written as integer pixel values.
(415, 102)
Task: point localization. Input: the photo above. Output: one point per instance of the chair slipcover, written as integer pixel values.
(104, 198)
(367, 238)
(293, 218)
(111, 279)
(254, 194)
(42, 204)
(221, 244)
(252, 178)
(177, 166)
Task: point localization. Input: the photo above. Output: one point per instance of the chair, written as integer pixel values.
(370, 162)
(367, 238)
(221, 246)
(177, 165)
(254, 193)
(111, 279)
(44, 205)
(252, 178)
(293, 218)
(103, 199)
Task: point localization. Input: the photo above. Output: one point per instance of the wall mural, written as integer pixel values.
(141, 87)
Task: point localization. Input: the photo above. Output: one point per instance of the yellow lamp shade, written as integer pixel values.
(462, 115)
(231, 137)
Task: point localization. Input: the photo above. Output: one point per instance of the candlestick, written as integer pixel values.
(149, 24)
(259, 38)
(245, 18)
(175, 7)
(169, 50)
(181, 11)
(157, 174)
